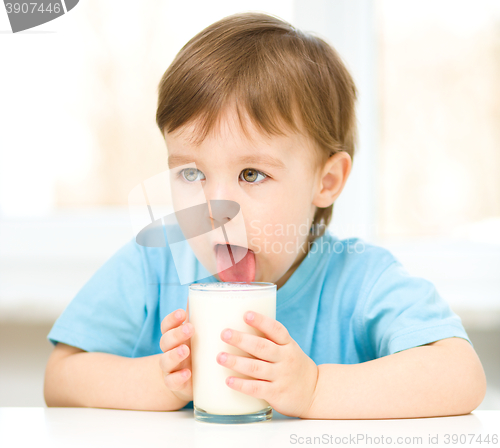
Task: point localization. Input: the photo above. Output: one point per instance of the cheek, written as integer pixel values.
(281, 215)
(281, 224)
(295, 209)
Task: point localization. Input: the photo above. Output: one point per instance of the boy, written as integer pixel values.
(262, 114)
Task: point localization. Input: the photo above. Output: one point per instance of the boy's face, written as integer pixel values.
(273, 180)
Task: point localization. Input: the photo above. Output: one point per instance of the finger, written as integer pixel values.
(172, 320)
(254, 345)
(177, 380)
(170, 360)
(254, 388)
(247, 366)
(274, 330)
(176, 336)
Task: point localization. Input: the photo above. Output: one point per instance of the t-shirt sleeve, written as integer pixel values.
(108, 312)
(403, 311)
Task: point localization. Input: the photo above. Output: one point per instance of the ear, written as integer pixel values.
(332, 179)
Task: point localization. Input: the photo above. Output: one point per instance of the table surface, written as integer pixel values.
(94, 427)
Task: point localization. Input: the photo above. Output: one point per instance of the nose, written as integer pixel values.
(222, 211)
(222, 203)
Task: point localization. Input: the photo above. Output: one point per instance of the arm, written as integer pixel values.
(438, 379)
(75, 378)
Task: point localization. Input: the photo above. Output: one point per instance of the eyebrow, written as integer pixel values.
(262, 159)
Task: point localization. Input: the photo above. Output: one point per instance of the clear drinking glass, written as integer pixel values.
(212, 308)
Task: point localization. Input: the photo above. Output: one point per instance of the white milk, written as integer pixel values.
(212, 308)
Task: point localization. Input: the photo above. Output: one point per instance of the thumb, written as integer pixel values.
(187, 310)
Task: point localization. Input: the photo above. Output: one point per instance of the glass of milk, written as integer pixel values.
(212, 308)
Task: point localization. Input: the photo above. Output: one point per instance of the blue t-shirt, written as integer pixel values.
(348, 302)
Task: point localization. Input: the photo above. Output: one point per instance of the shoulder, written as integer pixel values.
(350, 270)
(135, 253)
(138, 261)
(167, 258)
(356, 258)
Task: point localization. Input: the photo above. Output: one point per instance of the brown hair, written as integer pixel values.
(283, 78)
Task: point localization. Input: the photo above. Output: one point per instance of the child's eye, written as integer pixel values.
(251, 176)
(191, 174)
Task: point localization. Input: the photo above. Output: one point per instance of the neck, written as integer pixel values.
(295, 265)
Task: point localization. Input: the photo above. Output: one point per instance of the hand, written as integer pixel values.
(284, 375)
(175, 362)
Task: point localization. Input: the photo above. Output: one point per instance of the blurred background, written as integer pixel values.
(78, 133)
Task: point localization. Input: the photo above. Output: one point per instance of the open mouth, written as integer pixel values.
(235, 263)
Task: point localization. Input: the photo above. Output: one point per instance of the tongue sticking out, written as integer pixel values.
(242, 271)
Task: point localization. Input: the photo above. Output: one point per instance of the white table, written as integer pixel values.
(91, 427)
